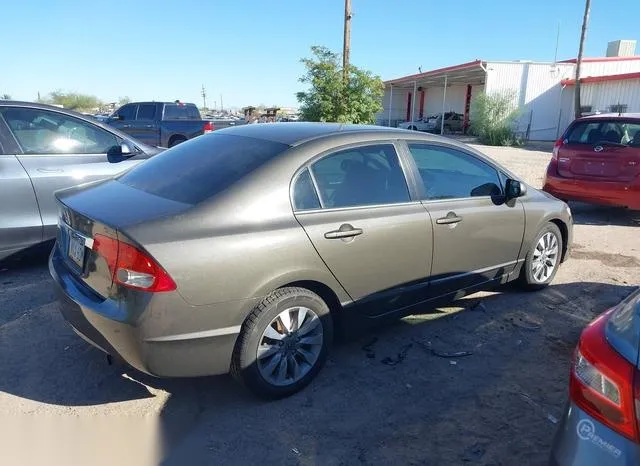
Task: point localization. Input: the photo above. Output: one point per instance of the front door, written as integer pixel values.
(60, 151)
(373, 237)
(476, 235)
(145, 128)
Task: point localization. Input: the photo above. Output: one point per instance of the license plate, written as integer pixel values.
(76, 249)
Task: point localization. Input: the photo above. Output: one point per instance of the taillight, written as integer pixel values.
(604, 384)
(556, 148)
(131, 267)
(208, 126)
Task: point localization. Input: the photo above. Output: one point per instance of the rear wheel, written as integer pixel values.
(174, 141)
(283, 343)
(543, 259)
(413, 128)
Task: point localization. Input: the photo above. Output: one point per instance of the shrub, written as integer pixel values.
(493, 120)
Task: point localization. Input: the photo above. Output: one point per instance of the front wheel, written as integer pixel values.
(543, 259)
(283, 343)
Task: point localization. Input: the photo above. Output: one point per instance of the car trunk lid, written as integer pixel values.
(623, 328)
(95, 217)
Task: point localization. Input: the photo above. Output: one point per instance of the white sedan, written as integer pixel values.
(422, 124)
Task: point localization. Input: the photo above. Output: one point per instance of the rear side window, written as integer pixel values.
(366, 175)
(202, 167)
(304, 193)
(146, 112)
(605, 131)
(181, 112)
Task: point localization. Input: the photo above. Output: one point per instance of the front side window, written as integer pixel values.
(146, 112)
(448, 173)
(44, 132)
(127, 112)
(360, 176)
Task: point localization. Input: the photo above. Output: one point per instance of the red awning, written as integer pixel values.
(599, 79)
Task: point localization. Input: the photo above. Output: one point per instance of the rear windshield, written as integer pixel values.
(605, 131)
(181, 112)
(201, 167)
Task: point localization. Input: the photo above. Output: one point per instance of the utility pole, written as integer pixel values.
(346, 46)
(204, 97)
(583, 35)
(221, 106)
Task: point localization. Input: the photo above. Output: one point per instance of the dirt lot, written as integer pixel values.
(382, 399)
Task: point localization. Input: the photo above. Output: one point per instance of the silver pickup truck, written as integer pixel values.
(162, 124)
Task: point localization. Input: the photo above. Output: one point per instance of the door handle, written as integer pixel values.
(50, 170)
(345, 231)
(148, 126)
(126, 126)
(449, 219)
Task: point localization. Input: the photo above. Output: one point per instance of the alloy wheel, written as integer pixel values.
(545, 257)
(290, 346)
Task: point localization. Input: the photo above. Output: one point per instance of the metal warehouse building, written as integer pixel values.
(543, 92)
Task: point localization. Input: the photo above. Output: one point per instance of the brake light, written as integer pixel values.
(604, 384)
(131, 267)
(556, 148)
(208, 126)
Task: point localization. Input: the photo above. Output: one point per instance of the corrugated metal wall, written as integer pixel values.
(536, 92)
(602, 95)
(609, 67)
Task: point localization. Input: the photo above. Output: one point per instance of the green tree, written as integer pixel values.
(5, 97)
(331, 98)
(74, 100)
(493, 118)
(123, 100)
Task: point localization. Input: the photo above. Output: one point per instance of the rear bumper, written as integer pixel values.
(164, 340)
(596, 192)
(583, 441)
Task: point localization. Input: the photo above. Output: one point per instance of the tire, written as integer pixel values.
(530, 277)
(413, 128)
(176, 140)
(263, 375)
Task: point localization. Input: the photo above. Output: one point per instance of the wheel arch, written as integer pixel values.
(564, 231)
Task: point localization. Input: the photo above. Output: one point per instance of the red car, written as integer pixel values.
(597, 160)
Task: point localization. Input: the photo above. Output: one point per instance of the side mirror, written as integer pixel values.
(121, 152)
(514, 189)
(116, 117)
(126, 149)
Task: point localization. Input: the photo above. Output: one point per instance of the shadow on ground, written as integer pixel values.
(587, 214)
(382, 398)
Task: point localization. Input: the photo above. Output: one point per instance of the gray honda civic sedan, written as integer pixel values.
(240, 251)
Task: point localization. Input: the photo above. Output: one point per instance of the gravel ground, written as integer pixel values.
(381, 399)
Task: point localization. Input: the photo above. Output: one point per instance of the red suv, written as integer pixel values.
(597, 160)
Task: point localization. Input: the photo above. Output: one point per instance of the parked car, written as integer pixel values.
(601, 422)
(597, 160)
(240, 250)
(45, 148)
(453, 122)
(163, 124)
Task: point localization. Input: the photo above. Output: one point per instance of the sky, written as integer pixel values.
(249, 51)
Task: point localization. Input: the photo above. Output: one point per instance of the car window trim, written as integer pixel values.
(420, 183)
(357, 207)
(333, 150)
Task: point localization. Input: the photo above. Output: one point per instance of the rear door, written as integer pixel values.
(604, 150)
(59, 151)
(365, 225)
(476, 235)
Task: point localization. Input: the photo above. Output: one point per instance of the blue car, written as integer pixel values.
(601, 425)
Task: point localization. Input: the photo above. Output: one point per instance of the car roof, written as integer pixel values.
(296, 133)
(612, 116)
